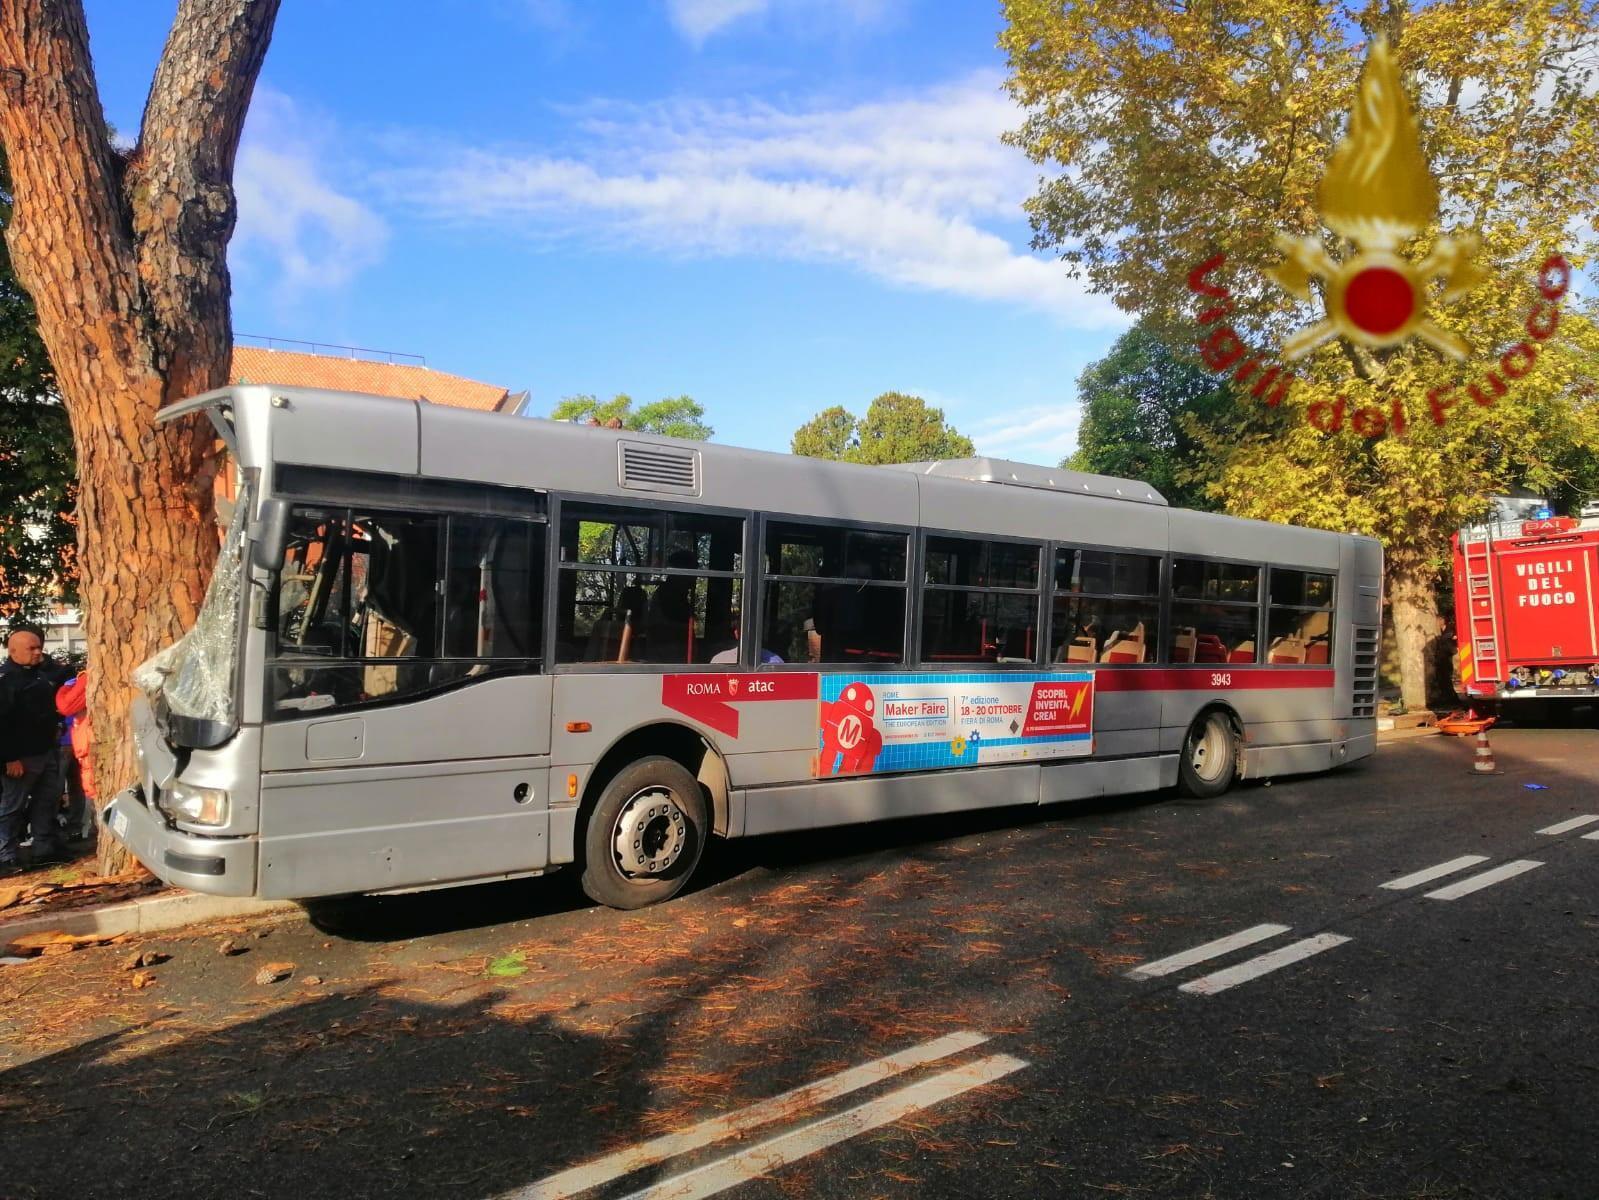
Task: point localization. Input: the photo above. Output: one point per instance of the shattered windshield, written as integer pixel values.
(196, 674)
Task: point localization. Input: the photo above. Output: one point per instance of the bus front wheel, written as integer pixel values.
(645, 834)
(1210, 757)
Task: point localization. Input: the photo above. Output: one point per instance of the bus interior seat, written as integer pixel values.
(1081, 649)
(1125, 648)
(1316, 632)
(1208, 648)
(1182, 647)
(1244, 652)
(1286, 650)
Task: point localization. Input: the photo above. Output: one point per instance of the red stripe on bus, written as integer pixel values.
(1219, 678)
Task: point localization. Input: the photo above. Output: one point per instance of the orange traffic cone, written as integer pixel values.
(1484, 764)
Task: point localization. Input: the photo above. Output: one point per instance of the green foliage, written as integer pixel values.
(673, 416)
(507, 966)
(829, 434)
(1138, 405)
(37, 466)
(896, 429)
(1176, 133)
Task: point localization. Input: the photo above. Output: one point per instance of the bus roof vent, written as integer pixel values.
(1051, 479)
(645, 467)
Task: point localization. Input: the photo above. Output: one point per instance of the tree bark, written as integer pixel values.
(1413, 604)
(126, 263)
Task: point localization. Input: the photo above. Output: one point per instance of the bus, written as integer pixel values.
(444, 647)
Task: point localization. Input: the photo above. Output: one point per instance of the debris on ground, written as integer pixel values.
(141, 979)
(274, 972)
(145, 958)
(227, 948)
(506, 966)
(1536, 787)
(49, 942)
(47, 893)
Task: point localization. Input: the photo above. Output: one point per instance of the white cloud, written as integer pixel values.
(917, 191)
(1036, 434)
(295, 226)
(697, 20)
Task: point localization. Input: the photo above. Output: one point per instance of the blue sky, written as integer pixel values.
(771, 205)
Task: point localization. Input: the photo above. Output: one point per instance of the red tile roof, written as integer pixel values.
(256, 364)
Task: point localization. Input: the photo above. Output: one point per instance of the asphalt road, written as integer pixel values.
(1018, 1004)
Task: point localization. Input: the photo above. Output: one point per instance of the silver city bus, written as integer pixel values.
(443, 647)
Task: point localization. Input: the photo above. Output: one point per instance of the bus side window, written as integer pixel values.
(1299, 619)
(835, 594)
(1106, 607)
(980, 600)
(648, 586)
(1224, 623)
(493, 588)
(375, 606)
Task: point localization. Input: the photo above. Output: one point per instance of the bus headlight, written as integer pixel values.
(196, 805)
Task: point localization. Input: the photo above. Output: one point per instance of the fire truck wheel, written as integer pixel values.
(1209, 760)
(644, 835)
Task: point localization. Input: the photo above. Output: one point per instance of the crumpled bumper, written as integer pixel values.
(219, 866)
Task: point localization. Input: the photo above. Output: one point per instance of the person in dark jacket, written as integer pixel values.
(30, 789)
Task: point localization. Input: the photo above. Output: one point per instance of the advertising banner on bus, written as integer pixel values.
(871, 724)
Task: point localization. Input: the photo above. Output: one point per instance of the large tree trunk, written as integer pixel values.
(1413, 605)
(126, 263)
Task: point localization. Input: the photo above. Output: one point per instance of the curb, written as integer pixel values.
(1406, 733)
(149, 915)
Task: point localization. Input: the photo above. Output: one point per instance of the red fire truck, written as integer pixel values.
(1526, 614)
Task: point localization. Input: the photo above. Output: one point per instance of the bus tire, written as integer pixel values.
(645, 834)
(1209, 760)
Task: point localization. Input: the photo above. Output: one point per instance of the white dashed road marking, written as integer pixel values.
(1262, 964)
(1236, 941)
(1417, 878)
(829, 1131)
(1574, 823)
(792, 1103)
(1592, 837)
(1476, 883)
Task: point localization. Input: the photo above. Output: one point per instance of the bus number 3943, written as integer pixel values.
(1221, 679)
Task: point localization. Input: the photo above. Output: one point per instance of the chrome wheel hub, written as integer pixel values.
(650, 833)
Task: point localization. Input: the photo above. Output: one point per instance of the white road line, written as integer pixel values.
(1476, 883)
(1592, 837)
(1449, 868)
(829, 1131)
(1236, 941)
(789, 1104)
(1262, 964)
(1568, 826)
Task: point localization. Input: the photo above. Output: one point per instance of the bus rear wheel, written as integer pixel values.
(644, 835)
(1210, 757)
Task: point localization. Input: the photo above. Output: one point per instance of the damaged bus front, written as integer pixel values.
(190, 816)
(361, 705)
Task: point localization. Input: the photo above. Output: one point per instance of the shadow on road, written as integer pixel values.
(478, 906)
(353, 1095)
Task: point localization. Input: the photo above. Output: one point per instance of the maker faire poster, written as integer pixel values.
(871, 724)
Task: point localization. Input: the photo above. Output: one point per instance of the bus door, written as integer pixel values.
(407, 715)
